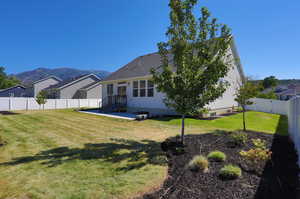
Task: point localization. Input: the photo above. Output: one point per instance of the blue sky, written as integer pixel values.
(98, 34)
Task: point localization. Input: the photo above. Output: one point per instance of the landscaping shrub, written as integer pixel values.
(199, 163)
(217, 156)
(238, 138)
(259, 143)
(230, 172)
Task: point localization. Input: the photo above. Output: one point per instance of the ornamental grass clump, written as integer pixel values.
(217, 156)
(230, 172)
(199, 163)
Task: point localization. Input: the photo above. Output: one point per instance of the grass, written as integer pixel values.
(66, 154)
(255, 121)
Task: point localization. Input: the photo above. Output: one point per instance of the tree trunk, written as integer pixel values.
(244, 120)
(182, 129)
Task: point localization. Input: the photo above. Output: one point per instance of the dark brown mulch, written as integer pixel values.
(278, 180)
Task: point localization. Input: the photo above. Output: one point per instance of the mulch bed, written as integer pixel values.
(278, 180)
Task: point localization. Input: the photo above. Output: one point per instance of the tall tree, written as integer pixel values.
(193, 60)
(244, 93)
(7, 81)
(270, 82)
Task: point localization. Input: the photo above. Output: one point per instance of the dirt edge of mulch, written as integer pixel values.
(278, 180)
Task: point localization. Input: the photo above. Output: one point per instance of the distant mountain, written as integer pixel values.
(28, 77)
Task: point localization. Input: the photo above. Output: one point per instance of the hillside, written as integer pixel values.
(28, 77)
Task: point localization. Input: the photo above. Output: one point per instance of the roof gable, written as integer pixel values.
(16, 86)
(49, 77)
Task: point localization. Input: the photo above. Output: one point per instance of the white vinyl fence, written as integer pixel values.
(22, 103)
(289, 108)
(294, 123)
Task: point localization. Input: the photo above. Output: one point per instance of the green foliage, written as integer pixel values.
(238, 138)
(191, 79)
(199, 163)
(270, 82)
(259, 143)
(268, 95)
(217, 156)
(230, 172)
(7, 81)
(41, 98)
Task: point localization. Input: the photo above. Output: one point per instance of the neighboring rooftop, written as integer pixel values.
(46, 78)
(16, 86)
(72, 80)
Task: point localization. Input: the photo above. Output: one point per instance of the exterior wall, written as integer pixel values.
(70, 92)
(155, 104)
(95, 92)
(37, 87)
(14, 92)
(22, 103)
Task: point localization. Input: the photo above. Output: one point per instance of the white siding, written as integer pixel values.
(43, 84)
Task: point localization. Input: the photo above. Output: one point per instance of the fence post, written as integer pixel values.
(78, 103)
(27, 102)
(67, 103)
(55, 106)
(88, 102)
(9, 104)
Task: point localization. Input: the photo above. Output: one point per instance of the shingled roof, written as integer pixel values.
(142, 65)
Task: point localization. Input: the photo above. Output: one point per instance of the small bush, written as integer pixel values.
(256, 156)
(217, 156)
(238, 138)
(259, 143)
(230, 172)
(199, 162)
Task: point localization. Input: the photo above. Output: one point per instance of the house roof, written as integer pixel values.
(290, 91)
(68, 82)
(142, 65)
(90, 86)
(16, 86)
(49, 77)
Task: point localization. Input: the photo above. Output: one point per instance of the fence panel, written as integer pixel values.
(269, 106)
(20, 103)
(294, 123)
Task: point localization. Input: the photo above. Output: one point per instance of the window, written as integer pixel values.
(142, 88)
(110, 89)
(135, 92)
(150, 88)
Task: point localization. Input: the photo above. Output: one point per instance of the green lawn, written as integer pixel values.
(66, 154)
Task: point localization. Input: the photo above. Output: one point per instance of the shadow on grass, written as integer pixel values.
(8, 113)
(280, 176)
(136, 153)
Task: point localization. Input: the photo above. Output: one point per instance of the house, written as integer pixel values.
(86, 86)
(290, 92)
(44, 83)
(15, 91)
(131, 86)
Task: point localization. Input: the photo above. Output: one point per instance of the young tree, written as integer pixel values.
(193, 60)
(41, 98)
(245, 92)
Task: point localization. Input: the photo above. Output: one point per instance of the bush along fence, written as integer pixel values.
(20, 103)
(289, 108)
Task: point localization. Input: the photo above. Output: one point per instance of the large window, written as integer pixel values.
(110, 89)
(135, 91)
(150, 88)
(142, 88)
